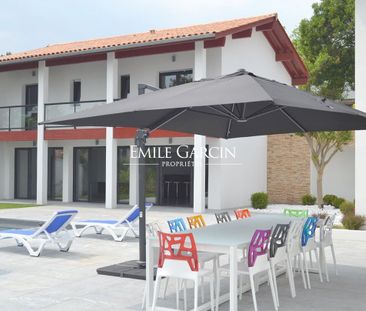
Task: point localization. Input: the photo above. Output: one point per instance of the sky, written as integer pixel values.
(29, 24)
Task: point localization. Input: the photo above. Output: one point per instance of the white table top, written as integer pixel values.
(237, 232)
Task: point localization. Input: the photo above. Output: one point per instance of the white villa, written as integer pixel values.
(94, 164)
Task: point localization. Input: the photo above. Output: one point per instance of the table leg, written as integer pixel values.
(149, 274)
(233, 279)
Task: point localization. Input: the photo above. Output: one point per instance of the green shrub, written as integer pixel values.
(308, 199)
(353, 222)
(259, 200)
(338, 202)
(328, 199)
(347, 207)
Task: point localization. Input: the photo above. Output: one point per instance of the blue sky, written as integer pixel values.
(29, 24)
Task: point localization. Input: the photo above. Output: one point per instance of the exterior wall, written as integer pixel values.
(92, 76)
(12, 86)
(339, 175)
(145, 69)
(360, 67)
(232, 184)
(288, 172)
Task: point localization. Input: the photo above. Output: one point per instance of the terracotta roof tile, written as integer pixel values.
(133, 39)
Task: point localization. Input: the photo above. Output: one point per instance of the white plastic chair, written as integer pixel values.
(308, 245)
(257, 263)
(326, 240)
(178, 259)
(278, 256)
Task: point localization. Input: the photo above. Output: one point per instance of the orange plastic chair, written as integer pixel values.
(196, 221)
(242, 213)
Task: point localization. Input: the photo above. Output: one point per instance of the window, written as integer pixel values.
(76, 91)
(125, 86)
(169, 79)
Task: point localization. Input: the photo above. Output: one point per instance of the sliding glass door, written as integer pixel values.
(89, 174)
(25, 173)
(55, 172)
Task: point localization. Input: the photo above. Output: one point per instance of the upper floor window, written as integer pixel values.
(76, 90)
(169, 79)
(125, 86)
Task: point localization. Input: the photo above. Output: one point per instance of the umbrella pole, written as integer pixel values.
(140, 140)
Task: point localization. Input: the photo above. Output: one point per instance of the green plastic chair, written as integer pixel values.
(300, 213)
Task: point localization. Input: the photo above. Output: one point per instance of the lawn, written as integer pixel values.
(14, 205)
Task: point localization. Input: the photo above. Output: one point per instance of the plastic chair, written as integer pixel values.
(309, 244)
(301, 213)
(178, 225)
(257, 262)
(278, 256)
(242, 213)
(196, 221)
(326, 240)
(294, 251)
(222, 217)
(178, 258)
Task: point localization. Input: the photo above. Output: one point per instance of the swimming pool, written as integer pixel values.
(9, 223)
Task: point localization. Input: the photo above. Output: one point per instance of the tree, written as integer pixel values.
(326, 43)
(323, 147)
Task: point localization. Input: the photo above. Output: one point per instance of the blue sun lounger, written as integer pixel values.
(52, 231)
(118, 229)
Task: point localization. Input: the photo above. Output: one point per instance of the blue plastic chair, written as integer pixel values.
(177, 225)
(309, 230)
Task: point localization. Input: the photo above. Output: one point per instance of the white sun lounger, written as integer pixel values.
(118, 229)
(53, 231)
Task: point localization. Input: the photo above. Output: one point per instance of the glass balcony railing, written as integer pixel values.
(55, 110)
(26, 117)
(18, 118)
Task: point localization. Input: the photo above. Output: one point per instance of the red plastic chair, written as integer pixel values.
(178, 259)
(242, 213)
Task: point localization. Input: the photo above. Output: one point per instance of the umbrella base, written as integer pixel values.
(132, 269)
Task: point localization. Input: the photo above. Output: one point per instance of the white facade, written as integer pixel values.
(360, 67)
(230, 181)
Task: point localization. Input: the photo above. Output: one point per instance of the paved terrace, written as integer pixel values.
(68, 281)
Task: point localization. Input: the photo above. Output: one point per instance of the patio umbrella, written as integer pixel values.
(237, 105)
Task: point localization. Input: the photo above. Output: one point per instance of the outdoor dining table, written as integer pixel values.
(224, 238)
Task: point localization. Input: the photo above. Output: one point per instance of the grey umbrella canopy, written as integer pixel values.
(237, 105)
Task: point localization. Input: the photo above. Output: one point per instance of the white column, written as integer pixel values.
(7, 155)
(111, 143)
(67, 175)
(42, 148)
(199, 182)
(360, 147)
(134, 187)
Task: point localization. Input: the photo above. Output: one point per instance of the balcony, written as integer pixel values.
(18, 118)
(24, 118)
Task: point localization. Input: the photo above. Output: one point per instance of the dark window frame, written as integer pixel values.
(162, 75)
(76, 93)
(125, 91)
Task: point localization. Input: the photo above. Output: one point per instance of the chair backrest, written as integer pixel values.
(180, 247)
(309, 230)
(196, 221)
(328, 228)
(294, 236)
(177, 225)
(278, 238)
(301, 213)
(222, 217)
(57, 222)
(258, 245)
(242, 213)
(152, 229)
